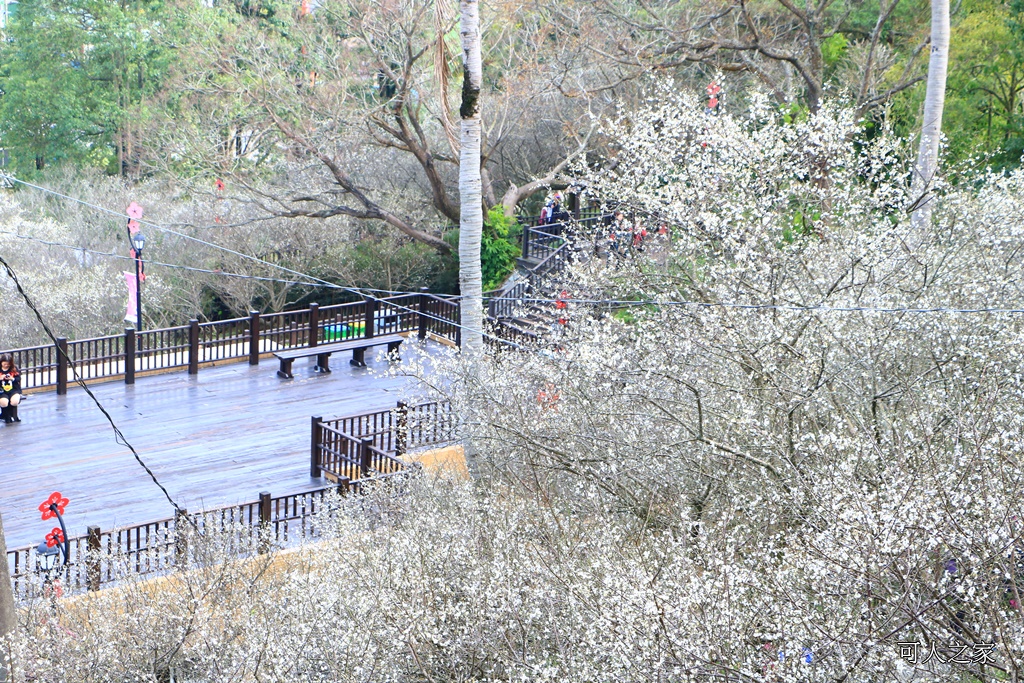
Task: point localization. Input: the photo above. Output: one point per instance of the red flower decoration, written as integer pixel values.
(133, 226)
(54, 501)
(219, 184)
(134, 211)
(55, 537)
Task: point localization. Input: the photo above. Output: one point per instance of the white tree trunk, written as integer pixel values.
(931, 124)
(471, 217)
(7, 622)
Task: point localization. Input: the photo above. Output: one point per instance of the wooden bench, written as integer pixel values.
(323, 353)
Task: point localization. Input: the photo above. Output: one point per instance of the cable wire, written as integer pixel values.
(543, 300)
(166, 265)
(119, 436)
(354, 290)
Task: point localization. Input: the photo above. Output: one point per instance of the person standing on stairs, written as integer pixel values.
(10, 389)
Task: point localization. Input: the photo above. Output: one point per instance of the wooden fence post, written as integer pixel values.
(458, 328)
(526, 241)
(92, 561)
(129, 355)
(62, 366)
(180, 537)
(401, 429)
(424, 321)
(365, 457)
(314, 448)
(254, 337)
(193, 347)
(368, 322)
(314, 324)
(264, 531)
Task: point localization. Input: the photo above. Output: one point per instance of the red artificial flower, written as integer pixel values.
(133, 226)
(219, 184)
(54, 501)
(55, 537)
(134, 211)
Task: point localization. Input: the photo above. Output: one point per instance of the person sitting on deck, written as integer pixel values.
(10, 389)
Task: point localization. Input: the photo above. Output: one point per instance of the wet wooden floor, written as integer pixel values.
(216, 438)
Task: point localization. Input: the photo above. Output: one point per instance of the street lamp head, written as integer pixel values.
(138, 242)
(46, 557)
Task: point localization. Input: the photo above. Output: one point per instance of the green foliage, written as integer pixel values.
(77, 80)
(794, 112)
(625, 315)
(498, 248)
(984, 109)
(802, 225)
(834, 49)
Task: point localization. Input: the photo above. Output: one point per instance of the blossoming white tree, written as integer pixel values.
(829, 448)
(789, 461)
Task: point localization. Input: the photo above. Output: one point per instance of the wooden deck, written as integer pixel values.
(216, 438)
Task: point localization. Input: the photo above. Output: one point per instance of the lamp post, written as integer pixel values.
(138, 242)
(46, 561)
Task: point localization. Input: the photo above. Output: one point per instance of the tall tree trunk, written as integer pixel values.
(471, 215)
(931, 124)
(7, 622)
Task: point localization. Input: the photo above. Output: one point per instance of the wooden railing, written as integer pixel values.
(354, 451)
(547, 252)
(371, 444)
(187, 347)
(190, 346)
(100, 558)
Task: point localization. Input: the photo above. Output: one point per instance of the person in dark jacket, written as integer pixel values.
(558, 213)
(10, 389)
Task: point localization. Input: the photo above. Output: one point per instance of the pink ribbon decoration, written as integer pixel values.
(131, 315)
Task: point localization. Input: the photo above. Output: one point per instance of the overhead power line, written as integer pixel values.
(313, 279)
(119, 436)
